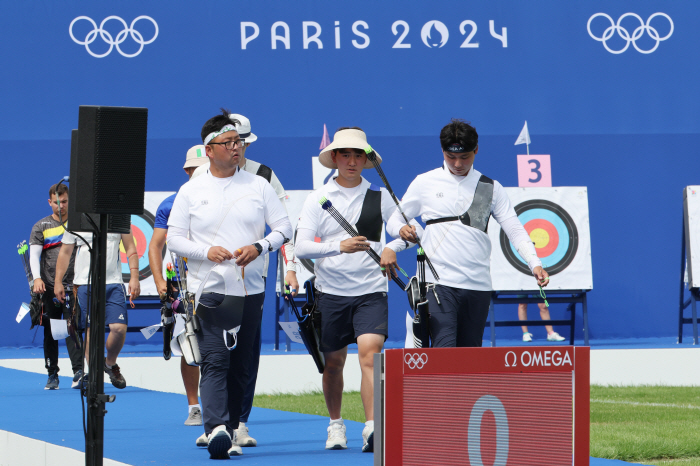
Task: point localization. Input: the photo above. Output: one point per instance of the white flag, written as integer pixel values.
(524, 137)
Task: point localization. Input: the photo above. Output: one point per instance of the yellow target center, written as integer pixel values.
(540, 237)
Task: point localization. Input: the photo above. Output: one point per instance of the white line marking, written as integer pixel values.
(636, 403)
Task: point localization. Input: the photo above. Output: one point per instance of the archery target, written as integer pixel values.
(142, 227)
(556, 219)
(691, 210)
(551, 229)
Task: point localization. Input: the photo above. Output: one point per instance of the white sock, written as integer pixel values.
(370, 424)
(195, 406)
(336, 421)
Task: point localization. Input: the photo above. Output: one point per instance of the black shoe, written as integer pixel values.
(77, 377)
(115, 376)
(52, 383)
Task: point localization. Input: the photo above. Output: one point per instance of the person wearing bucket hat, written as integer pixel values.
(351, 288)
(218, 221)
(242, 125)
(196, 156)
(456, 201)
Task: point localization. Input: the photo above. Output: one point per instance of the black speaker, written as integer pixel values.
(78, 221)
(111, 160)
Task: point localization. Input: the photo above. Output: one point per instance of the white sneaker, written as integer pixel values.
(527, 336)
(219, 443)
(243, 439)
(202, 440)
(554, 336)
(235, 449)
(337, 440)
(368, 439)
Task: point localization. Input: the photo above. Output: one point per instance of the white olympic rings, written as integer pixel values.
(636, 34)
(107, 37)
(416, 361)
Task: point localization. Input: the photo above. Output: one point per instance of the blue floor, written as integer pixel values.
(145, 427)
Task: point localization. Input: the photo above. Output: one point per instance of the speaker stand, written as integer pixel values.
(96, 398)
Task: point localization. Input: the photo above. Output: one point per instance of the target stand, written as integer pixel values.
(482, 406)
(690, 261)
(556, 220)
(570, 297)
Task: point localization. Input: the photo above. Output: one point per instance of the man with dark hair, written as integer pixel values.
(456, 201)
(44, 246)
(195, 157)
(243, 437)
(351, 287)
(218, 222)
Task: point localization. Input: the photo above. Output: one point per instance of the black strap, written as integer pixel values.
(265, 172)
(370, 222)
(441, 220)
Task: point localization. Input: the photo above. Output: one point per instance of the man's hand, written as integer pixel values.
(59, 292)
(291, 280)
(356, 244)
(541, 275)
(388, 263)
(39, 286)
(161, 285)
(245, 255)
(408, 233)
(134, 288)
(218, 254)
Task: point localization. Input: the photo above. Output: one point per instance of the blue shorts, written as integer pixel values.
(115, 305)
(344, 318)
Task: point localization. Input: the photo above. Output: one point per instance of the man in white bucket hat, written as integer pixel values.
(244, 131)
(351, 288)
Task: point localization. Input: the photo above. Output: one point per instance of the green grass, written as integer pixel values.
(646, 424)
(652, 425)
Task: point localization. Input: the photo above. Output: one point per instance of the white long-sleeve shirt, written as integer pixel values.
(229, 212)
(461, 254)
(337, 273)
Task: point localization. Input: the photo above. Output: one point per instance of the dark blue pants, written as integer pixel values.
(224, 373)
(249, 394)
(460, 318)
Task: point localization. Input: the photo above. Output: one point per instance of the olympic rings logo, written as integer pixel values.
(636, 34)
(416, 361)
(107, 37)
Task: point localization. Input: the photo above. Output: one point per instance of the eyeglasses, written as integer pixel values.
(230, 145)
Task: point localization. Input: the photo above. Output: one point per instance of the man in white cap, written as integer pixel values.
(196, 156)
(351, 288)
(244, 131)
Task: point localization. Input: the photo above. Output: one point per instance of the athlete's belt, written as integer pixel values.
(441, 220)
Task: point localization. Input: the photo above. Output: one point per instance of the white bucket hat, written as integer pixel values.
(196, 157)
(243, 128)
(346, 139)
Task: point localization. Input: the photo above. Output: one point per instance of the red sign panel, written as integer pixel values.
(487, 406)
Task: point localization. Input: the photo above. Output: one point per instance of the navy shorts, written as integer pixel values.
(115, 305)
(344, 318)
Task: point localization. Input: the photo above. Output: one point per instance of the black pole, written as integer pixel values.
(94, 441)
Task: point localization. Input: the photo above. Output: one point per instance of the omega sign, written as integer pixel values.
(538, 359)
(433, 34)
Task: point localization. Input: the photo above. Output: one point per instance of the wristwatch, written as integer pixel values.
(258, 248)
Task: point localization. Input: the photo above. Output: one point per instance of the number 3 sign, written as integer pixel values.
(534, 170)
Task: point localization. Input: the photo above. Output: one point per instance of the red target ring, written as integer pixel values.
(544, 235)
